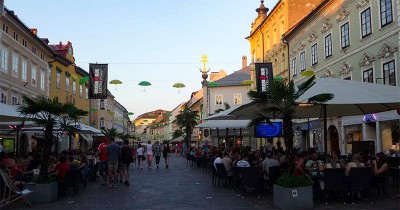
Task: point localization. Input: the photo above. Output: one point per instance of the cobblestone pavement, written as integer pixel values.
(179, 187)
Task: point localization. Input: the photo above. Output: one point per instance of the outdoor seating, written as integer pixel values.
(235, 179)
(72, 180)
(334, 181)
(213, 174)
(11, 193)
(394, 163)
(250, 179)
(222, 174)
(273, 175)
(360, 179)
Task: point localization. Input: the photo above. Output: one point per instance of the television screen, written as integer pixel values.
(266, 130)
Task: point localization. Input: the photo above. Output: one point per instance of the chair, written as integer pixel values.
(250, 178)
(72, 180)
(213, 174)
(360, 179)
(334, 181)
(11, 192)
(235, 179)
(221, 173)
(273, 175)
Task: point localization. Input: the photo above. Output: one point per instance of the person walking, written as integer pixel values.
(126, 160)
(149, 152)
(157, 152)
(103, 157)
(165, 152)
(114, 154)
(140, 155)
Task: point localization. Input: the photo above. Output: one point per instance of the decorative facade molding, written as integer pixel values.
(302, 46)
(326, 26)
(363, 3)
(344, 13)
(312, 37)
(366, 60)
(345, 69)
(387, 51)
(328, 73)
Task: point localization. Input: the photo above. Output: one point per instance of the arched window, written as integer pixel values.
(101, 122)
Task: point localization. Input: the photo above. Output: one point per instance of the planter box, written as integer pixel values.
(42, 193)
(293, 198)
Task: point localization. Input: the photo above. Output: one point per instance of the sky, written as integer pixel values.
(159, 41)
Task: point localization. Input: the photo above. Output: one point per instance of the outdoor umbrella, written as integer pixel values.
(115, 82)
(179, 86)
(130, 113)
(83, 80)
(75, 77)
(212, 84)
(144, 84)
(247, 82)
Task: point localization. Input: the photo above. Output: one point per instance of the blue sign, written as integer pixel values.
(266, 130)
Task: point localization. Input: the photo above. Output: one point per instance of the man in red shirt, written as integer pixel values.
(102, 152)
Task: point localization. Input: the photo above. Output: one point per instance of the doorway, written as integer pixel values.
(333, 138)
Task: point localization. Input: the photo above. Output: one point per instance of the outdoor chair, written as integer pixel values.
(360, 180)
(72, 180)
(334, 181)
(250, 179)
(394, 163)
(235, 179)
(222, 174)
(213, 174)
(11, 193)
(274, 173)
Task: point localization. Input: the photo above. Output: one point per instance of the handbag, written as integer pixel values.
(144, 157)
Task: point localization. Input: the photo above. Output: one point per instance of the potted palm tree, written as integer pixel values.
(280, 101)
(49, 114)
(187, 119)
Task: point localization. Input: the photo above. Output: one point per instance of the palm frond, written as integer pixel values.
(321, 98)
(305, 86)
(257, 121)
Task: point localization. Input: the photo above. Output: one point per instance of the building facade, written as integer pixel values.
(351, 40)
(102, 112)
(121, 118)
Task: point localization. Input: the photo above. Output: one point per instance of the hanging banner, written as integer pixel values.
(98, 79)
(264, 76)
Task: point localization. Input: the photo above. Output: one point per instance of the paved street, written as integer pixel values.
(179, 187)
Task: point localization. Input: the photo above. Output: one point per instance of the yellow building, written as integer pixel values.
(66, 78)
(267, 29)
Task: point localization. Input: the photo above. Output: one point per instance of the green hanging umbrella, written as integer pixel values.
(307, 73)
(169, 114)
(212, 84)
(144, 84)
(83, 80)
(279, 78)
(130, 113)
(93, 109)
(75, 77)
(247, 82)
(115, 82)
(179, 86)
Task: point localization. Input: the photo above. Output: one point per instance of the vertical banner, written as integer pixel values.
(98, 79)
(264, 76)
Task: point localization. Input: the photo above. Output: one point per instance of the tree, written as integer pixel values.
(226, 105)
(177, 133)
(280, 102)
(49, 113)
(188, 119)
(110, 133)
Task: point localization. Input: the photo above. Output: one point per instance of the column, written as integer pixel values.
(342, 138)
(378, 143)
(364, 132)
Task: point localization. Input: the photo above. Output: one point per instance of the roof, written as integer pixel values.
(235, 79)
(222, 124)
(60, 48)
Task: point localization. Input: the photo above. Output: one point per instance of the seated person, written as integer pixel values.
(355, 163)
(380, 168)
(269, 161)
(8, 161)
(227, 161)
(35, 162)
(243, 162)
(331, 162)
(313, 165)
(61, 168)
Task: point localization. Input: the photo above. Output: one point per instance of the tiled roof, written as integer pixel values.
(235, 78)
(60, 48)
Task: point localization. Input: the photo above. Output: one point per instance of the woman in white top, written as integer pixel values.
(355, 163)
(140, 155)
(149, 150)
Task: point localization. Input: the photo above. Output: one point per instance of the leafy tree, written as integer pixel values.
(49, 113)
(187, 119)
(177, 133)
(110, 132)
(280, 102)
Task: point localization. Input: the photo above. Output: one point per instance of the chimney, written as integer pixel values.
(34, 31)
(213, 75)
(244, 61)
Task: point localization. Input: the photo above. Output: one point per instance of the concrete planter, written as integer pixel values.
(42, 193)
(293, 198)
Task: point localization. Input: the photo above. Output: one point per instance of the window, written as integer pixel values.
(101, 103)
(219, 99)
(347, 78)
(24, 69)
(67, 76)
(345, 35)
(237, 99)
(15, 59)
(14, 100)
(302, 61)
(58, 79)
(34, 50)
(86, 93)
(386, 12)
(389, 75)
(42, 79)
(74, 87)
(368, 75)
(15, 36)
(23, 102)
(5, 28)
(294, 69)
(24, 42)
(42, 56)
(80, 91)
(328, 45)
(33, 75)
(366, 26)
(3, 98)
(101, 122)
(4, 59)
(314, 54)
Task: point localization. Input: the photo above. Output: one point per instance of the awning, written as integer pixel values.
(85, 129)
(177, 140)
(8, 113)
(86, 137)
(222, 124)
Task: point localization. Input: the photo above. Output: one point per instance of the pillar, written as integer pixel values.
(364, 132)
(378, 142)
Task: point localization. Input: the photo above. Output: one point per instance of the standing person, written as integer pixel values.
(114, 154)
(165, 155)
(140, 155)
(149, 152)
(157, 152)
(103, 159)
(126, 160)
